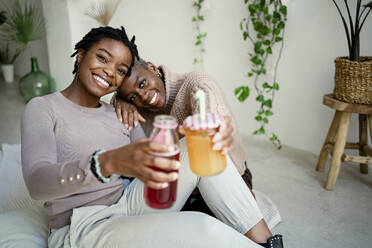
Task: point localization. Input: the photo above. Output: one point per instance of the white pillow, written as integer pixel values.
(13, 191)
(24, 228)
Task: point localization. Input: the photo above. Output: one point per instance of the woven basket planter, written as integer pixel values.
(353, 80)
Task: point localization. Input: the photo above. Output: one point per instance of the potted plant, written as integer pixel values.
(24, 23)
(7, 56)
(353, 76)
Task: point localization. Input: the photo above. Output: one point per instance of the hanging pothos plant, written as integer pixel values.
(197, 19)
(263, 28)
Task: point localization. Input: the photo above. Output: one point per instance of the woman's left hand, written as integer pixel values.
(223, 139)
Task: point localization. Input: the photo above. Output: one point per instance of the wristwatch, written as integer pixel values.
(95, 167)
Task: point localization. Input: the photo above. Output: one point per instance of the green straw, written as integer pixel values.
(201, 96)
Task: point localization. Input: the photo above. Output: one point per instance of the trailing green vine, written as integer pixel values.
(263, 28)
(200, 37)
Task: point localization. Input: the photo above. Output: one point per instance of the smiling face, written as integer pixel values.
(144, 88)
(103, 67)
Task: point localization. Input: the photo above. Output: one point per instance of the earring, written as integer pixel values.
(158, 73)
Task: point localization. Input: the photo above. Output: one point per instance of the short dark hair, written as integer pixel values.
(97, 34)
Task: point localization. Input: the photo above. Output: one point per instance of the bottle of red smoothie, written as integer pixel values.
(164, 132)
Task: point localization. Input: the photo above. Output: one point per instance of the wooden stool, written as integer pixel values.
(338, 130)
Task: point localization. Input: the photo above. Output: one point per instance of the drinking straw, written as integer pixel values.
(200, 95)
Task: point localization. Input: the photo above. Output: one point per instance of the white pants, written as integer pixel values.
(131, 223)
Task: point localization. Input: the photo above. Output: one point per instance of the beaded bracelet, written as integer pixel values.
(95, 167)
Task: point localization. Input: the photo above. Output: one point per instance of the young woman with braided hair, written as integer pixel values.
(75, 153)
(152, 90)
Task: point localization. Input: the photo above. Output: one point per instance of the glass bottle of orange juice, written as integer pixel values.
(204, 161)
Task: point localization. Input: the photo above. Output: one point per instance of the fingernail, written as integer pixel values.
(216, 147)
(216, 137)
(136, 123)
(130, 128)
(164, 185)
(177, 165)
(126, 126)
(174, 176)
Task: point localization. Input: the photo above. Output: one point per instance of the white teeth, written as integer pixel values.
(153, 98)
(101, 80)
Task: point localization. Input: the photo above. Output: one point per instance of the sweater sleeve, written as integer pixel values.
(45, 178)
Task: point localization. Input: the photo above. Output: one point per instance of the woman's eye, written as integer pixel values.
(102, 58)
(132, 98)
(122, 72)
(142, 84)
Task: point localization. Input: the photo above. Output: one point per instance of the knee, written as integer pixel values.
(204, 224)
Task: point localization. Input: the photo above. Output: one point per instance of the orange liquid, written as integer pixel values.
(204, 161)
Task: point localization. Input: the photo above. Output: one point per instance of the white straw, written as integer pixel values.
(201, 96)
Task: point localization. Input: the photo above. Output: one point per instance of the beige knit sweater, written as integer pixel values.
(180, 103)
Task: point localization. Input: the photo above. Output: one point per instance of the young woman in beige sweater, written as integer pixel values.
(151, 90)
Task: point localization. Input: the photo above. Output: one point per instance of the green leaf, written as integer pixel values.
(197, 43)
(267, 42)
(268, 113)
(281, 25)
(277, 31)
(268, 103)
(194, 19)
(260, 112)
(268, 50)
(268, 17)
(246, 1)
(276, 86)
(255, 132)
(195, 61)
(276, 15)
(265, 120)
(266, 10)
(261, 130)
(275, 20)
(259, 36)
(242, 93)
(258, 118)
(260, 98)
(245, 35)
(257, 46)
(252, 8)
(250, 74)
(255, 60)
(201, 18)
(266, 85)
(283, 9)
(277, 39)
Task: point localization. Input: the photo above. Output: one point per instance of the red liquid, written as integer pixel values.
(162, 198)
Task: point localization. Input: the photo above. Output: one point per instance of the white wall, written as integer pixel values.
(59, 41)
(165, 35)
(37, 49)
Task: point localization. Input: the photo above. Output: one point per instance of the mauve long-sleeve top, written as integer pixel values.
(58, 140)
